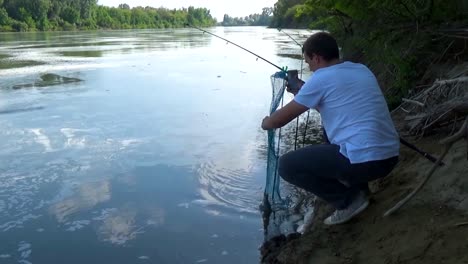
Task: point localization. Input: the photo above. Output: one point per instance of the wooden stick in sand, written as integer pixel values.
(448, 142)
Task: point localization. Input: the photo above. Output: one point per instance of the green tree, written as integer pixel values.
(282, 14)
(25, 15)
(124, 6)
(38, 8)
(397, 39)
(262, 19)
(4, 18)
(12, 7)
(103, 19)
(86, 7)
(71, 15)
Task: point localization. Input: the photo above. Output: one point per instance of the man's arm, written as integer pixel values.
(283, 116)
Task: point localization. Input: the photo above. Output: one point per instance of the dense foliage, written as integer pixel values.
(263, 19)
(30, 15)
(399, 40)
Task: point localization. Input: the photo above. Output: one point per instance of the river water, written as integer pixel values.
(135, 146)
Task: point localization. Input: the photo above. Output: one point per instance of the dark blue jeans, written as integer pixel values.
(322, 170)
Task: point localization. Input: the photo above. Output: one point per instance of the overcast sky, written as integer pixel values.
(234, 8)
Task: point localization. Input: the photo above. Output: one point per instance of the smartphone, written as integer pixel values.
(293, 75)
(294, 83)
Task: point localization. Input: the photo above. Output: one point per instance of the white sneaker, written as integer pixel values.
(358, 205)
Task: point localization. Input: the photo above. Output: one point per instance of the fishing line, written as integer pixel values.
(308, 111)
(275, 183)
(299, 44)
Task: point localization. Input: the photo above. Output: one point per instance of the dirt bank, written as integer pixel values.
(431, 228)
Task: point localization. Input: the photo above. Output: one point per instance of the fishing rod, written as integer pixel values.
(404, 142)
(228, 41)
(424, 154)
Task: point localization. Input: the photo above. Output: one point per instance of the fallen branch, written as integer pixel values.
(437, 120)
(460, 134)
(421, 122)
(416, 117)
(439, 84)
(461, 224)
(448, 142)
(466, 140)
(413, 102)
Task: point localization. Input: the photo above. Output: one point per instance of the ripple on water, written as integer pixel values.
(232, 188)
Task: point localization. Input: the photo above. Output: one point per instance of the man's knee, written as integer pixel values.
(286, 167)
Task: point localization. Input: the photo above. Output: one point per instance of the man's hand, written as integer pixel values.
(265, 125)
(283, 115)
(293, 86)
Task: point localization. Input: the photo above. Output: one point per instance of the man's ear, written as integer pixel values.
(319, 59)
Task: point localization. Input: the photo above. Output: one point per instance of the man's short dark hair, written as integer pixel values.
(322, 44)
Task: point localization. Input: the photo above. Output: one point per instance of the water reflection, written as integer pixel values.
(67, 45)
(83, 53)
(119, 227)
(19, 110)
(20, 46)
(3, 56)
(86, 196)
(10, 63)
(48, 79)
(150, 151)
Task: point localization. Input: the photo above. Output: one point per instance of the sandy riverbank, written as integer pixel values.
(431, 228)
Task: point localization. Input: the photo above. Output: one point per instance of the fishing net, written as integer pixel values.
(272, 187)
(275, 210)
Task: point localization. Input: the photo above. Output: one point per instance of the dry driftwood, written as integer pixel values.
(461, 224)
(448, 142)
(413, 102)
(445, 100)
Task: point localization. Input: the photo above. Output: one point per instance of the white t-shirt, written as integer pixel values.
(353, 110)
